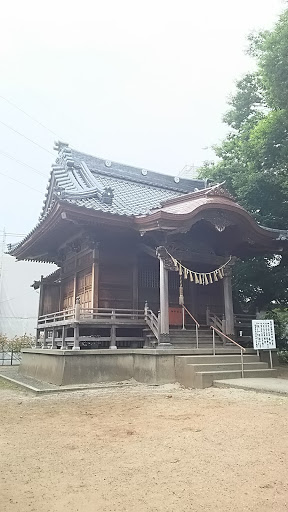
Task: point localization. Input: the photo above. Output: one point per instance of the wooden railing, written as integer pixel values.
(78, 313)
(59, 316)
(213, 320)
(111, 314)
(152, 321)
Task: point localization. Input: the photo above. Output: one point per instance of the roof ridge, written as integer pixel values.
(180, 185)
(215, 190)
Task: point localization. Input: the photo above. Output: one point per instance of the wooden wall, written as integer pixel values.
(50, 299)
(77, 279)
(116, 277)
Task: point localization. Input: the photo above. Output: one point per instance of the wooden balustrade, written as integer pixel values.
(90, 314)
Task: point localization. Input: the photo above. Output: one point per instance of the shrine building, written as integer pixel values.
(144, 267)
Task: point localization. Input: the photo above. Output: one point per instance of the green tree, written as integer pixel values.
(253, 161)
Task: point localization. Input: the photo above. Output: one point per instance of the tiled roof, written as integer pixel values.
(92, 182)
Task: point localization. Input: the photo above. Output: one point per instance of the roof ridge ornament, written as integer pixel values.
(59, 145)
(218, 190)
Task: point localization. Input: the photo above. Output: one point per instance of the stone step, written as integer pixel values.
(205, 379)
(210, 359)
(206, 332)
(226, 366)
(207, 346)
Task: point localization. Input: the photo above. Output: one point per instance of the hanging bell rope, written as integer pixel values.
(203, 278)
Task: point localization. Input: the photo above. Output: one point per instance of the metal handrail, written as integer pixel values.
(190, 314)
(242, 349)
(227, 337)
(197, 325)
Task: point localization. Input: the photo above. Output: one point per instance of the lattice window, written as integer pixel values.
(173, 281)
(150, 278)
(84, 289)
(84, 261)
(68, 294)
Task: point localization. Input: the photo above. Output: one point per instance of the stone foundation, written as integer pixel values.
(68, 367)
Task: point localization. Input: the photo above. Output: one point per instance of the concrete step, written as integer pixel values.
(187, 334)
(210, 359)
(226, 367)
(205, 379)
(199, 371)
(201, 341)
(207, 346)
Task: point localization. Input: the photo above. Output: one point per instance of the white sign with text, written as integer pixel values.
(263, 334)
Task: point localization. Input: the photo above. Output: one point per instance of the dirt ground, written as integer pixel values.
(143, 449)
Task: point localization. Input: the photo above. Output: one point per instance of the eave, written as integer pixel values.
(62, 222)
(174, 218)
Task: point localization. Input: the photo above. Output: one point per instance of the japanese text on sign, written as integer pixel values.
(263, 334)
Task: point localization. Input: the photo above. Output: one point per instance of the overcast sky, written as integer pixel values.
(143, 83)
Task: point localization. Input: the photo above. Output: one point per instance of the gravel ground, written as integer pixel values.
(143, 449)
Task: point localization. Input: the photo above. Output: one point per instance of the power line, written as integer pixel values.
(19, 317)
(21, 182)
(14, 298)
(13, 234)
(31, 117)
(2, 260)
(27, 138)
(23, 163)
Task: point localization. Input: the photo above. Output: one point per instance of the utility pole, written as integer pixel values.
(3, 245)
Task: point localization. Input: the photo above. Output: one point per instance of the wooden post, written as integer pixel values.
(41, 298)
(135, 284)
(77, 310)
(113, 344)
(207, 315)
(164, 306)
(228, 304)
(45, 338)
(63, 345)
(53, 344)
(75, 280)
(76, 338)
(95, 278)
(223, 324)
(61, 289)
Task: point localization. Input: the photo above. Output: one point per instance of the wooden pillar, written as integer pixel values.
(41, 297)
(61, 290)
(63, 345)
(76, 338)
(113, 344)
(135, 284)
(95, 278)
(228, 302)
(53, 344)
(75, 280)
(76, 325)
(45, 338)
(164, 305)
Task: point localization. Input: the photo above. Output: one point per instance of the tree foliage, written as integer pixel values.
(16, 344)
(253, 160)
